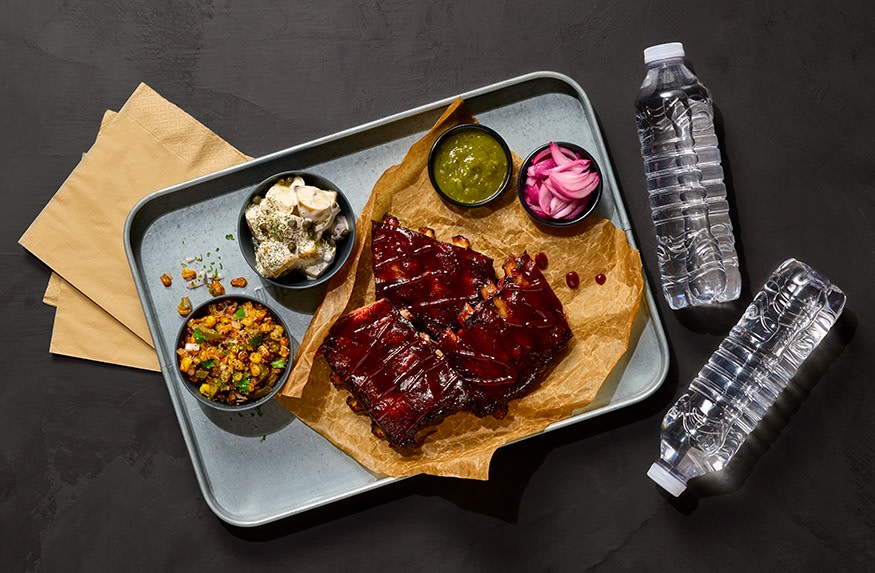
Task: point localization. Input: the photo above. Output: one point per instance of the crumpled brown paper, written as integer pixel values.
(148, 145)
(600, 317)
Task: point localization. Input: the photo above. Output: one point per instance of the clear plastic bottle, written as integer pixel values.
(742, 379)
(695, 244)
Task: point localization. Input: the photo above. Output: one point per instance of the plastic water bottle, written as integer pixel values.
(706, 426)
(695, 245)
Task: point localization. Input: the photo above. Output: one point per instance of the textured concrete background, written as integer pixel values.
(94, 474)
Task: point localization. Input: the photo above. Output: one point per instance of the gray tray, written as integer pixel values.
(257, 468)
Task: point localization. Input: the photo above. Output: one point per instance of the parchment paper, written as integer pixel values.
(600, 317)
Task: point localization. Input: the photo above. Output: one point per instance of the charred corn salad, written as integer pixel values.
(235, 353)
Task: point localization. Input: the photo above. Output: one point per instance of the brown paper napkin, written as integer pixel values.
(148, 145)
(79, 320)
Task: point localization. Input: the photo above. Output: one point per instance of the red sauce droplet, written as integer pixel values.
(600, 278)
(572, 280)
(541, 261)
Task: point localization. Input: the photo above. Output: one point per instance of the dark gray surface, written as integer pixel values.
(94, 473)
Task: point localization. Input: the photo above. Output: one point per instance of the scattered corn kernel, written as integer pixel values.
(216, 288)
(188, 274)
(184, 308)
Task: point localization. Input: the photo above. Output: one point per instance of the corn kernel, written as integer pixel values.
(255, 357)
(210, 321)
(185, 364)
(255, 369)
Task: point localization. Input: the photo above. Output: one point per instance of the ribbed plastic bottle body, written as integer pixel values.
(742, 379)
(695, 245)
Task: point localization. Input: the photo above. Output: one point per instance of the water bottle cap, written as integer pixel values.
(666, 480)
(660, 52)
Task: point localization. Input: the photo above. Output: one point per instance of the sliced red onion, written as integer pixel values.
(559, 182)
(557, 155)
(541, 155)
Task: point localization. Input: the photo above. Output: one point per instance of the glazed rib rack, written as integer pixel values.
(391, 371)
(485, 343)
(433, 280)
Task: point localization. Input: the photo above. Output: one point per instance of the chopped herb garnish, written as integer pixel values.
(229, 236)
(208, 363)
(256, 340)
(208, 253)
(198, 335)
(185, 266)
(240, 314)
(243, 385)
(264, 437)
(217, 249)
(281, 363)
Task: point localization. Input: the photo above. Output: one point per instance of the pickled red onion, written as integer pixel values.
(559, 183)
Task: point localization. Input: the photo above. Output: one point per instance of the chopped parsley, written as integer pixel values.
(243, 385)
(278, 363)
(208, 363)
(240, 314)
(256, 341)
(198, 335)
(264, 437)
(230, 236)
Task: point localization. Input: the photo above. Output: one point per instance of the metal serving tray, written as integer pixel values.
(286, 467)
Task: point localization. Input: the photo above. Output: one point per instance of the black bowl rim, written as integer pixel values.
(464, 127)
(345, 209)
(190, 386)
(560, 222)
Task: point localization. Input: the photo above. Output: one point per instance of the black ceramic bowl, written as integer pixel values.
(593, 198)
(295, 280)
(469, 127)
(201, 310)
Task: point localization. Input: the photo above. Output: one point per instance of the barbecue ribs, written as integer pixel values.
(491, 341)
(392, 372)
(507, 339)
(431, 279)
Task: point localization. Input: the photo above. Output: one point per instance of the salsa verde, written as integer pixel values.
(470, 166)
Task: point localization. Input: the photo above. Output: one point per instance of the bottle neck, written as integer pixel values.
(665, 63)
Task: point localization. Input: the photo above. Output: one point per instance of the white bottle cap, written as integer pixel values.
(660, 52)
(666, 480)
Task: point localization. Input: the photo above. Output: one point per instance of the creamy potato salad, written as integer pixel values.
(296, 227)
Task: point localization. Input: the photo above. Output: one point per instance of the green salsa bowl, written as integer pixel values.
(470, 165)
